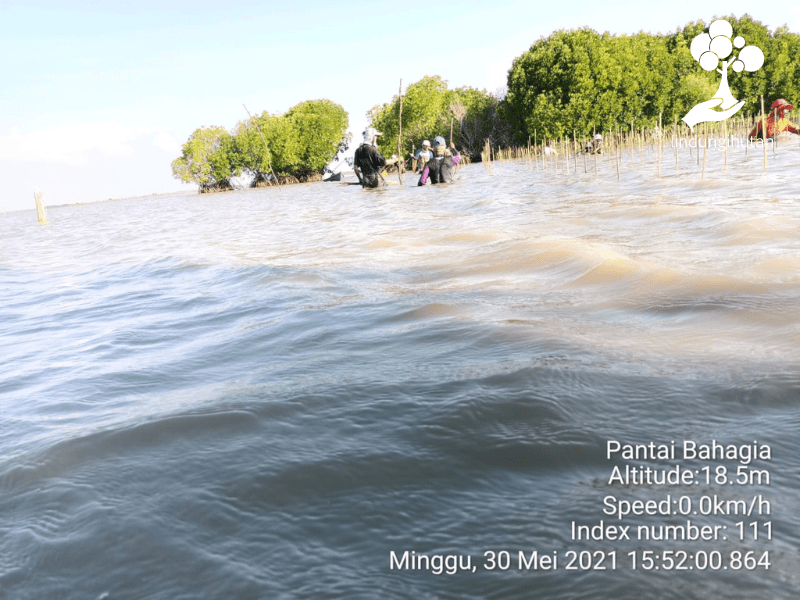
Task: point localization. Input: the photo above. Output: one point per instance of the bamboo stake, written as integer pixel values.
(697, 144)
(544, 154)
(631, 141)
(41, 211)
(764, 132)
(584, 154)
(746, 140)
(400, 160)
(675, 137)
(641, 144)
(660, 142)
(555, 153)
(451, 128)
(705, 151)
(530, 154)
(725, 131)
(574, 149)
(774, 112)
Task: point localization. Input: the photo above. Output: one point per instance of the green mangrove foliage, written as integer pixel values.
(293, 146)
(580, 80)
(428, 107)
(319, 127)
(266, 143)
(208, 159)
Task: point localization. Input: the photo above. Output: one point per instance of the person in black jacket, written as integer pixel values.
(368, 160)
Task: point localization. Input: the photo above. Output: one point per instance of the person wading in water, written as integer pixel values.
(441, 168)
(423, 155)
(777, 121)
(368, 160)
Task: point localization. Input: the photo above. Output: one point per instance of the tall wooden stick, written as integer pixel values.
(583, 151)
(544, 154)
(41, 212)
(660, 142)
(764, 132)
(641, 144)
(725, 131)
(575, 149)
(451, 130)
(774, 113)
(675, 137)
(400, 160)
(631, 141)
(746, 136)
(705, 151)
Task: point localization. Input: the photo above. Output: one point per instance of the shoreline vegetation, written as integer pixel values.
(566, 88)
(293, 147)
(670, 149)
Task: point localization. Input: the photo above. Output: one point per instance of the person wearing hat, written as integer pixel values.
(441, 168)
(777, 121)
(368, 160)
(595, 145)
(423, 155)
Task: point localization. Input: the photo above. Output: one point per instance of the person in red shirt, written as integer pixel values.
(777, 121)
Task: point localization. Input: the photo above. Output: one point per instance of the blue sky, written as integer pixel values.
(97, 97)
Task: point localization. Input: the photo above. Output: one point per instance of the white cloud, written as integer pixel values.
(72, 144)
(794, 25)
(167, 143)
(497, 72)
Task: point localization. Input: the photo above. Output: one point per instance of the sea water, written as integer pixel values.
(320, 391)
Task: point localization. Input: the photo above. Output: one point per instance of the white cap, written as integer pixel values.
(426, 143)
(369, 134)
(597, 136)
